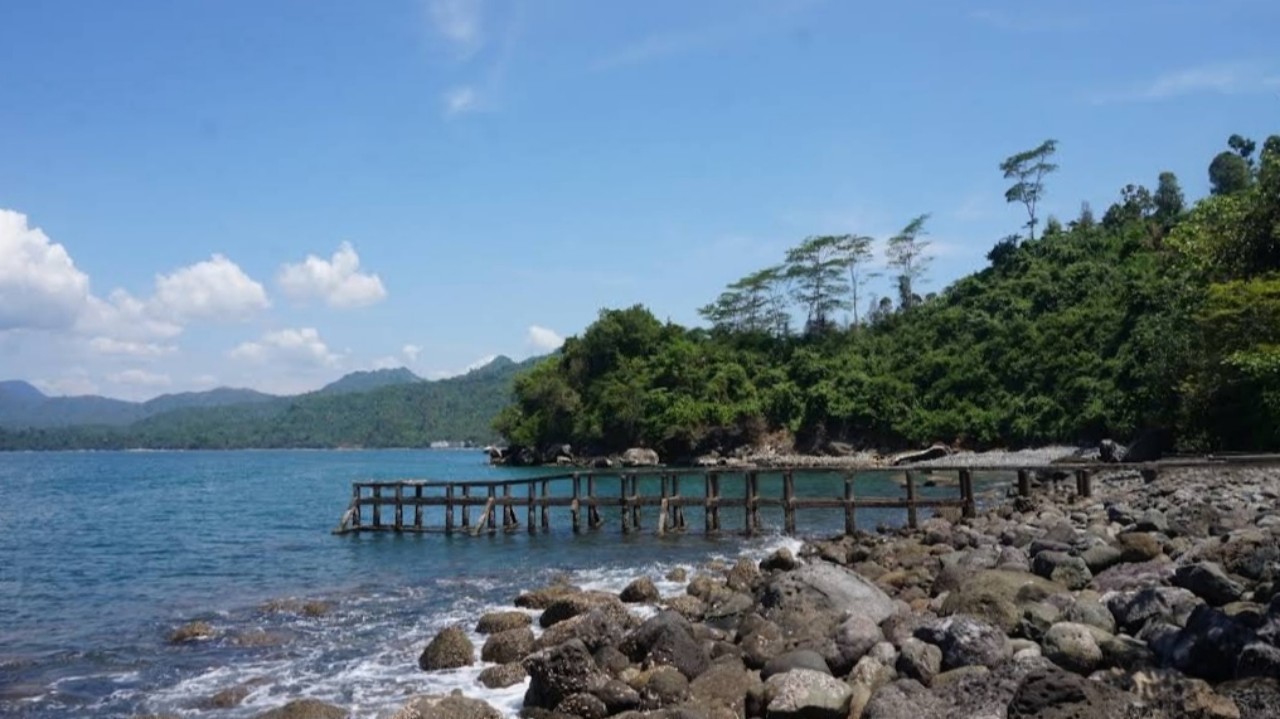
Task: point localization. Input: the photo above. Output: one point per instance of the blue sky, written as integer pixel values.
(475, 177)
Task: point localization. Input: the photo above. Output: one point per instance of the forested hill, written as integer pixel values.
(391, 411)
(1156, 316)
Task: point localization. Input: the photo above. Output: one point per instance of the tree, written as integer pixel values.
(906, 252)
(1168, 199)
(816, 268)
(1228, 173)
(1243, 147)
(1029, 168)
(856, 250)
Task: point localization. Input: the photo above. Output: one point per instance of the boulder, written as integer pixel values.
(1139, 546)
(806, 694)
(919, 660)
(1068, 570)
(599, 627)
(1208, 581)
(1258, 659)
(450, 649)
(796, 659)
(494, 622)
(571, 605)
(305, 709)
(617, 696)
(1210, 644)
(453, 706)
(641, 590)
(664, 686)
(825, 587)
(192, 631)
(1056, 694)
(640, 457)
(560, 672)
(743, 576)
(937, 451)
(868, 675)
(1072, 647)
(853, 638)
(509, 646)
(904, 699)
(667, 639)
(726, 684)
(1255, 698)
(545, 596)
(997, 595)
(1135, 610)
(967, 641)
(781, 560)
(584, 706)
(503, 675)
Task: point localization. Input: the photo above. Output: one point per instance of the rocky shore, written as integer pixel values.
(1151, 600)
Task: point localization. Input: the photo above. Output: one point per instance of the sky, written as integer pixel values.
(272, 193)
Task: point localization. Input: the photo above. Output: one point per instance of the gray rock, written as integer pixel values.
(1100, 557)
(781, 560)
(1056, 694)
(904, 699)
(640, 457)
(1256, 698)
(1210, 644)
(1092, 613)
(583, 706)
(854, 637)
(305, 709)
(639, 591)
(1134, 610)
(667, 639)
(1152, 520)
(966, 641)
(666, 686)
(1072, 647)
(996, 596)
(919, 660)
(509, 646)
(494, 622)
(824, 586)
(449, 649)
(617, 696)
(806, 694)
(560, 672)
(796, 659)
(1139, 546)
(726, 684)
(1258, 659)
(1208, 581)
(1037, 617)
(502, 676)
(1070, 571)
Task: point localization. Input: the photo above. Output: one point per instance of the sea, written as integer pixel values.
(104, 554)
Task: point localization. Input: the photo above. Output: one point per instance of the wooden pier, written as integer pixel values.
(729, 499)
(639, 501)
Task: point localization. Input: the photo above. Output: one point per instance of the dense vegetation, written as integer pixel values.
(1156, 317)
(362, 410)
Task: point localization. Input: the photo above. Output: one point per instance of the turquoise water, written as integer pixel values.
(102, 555)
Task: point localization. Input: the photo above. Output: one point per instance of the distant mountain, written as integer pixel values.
(218, 397)
(400, 410)
(15, 392)
(365, 381)
(22, 405)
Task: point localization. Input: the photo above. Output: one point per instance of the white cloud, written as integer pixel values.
(205, 380)
(112, 346)
(411, 352)
(301, 346)
(543, 339)
(459, 23)
(460, 100)
(482, 362)
(1212, 79)
(140, 378)
(337, 281)
(388, 362)
(40, 287)
(215, 289)
(122, 315)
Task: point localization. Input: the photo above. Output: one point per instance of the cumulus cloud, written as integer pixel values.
(301, 346)
(461, 100)
(338, 281)
(140, 378)
(543, 339)
(75, 381)
(215, 289)
(40, 287)
(411, 352)
(112, 346)
(459, 23)
(123, 316)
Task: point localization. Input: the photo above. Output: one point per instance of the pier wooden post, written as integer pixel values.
(1084, 485)
(417, 507)
(623, 504)
(466, 506)
(911, 500)
(448, 508)
(749, 506)
(531, 515)
(1149, 474)
(355, 506)
(573, 508)
(509, 521)
(715, 501)
(399, 507)
(663, 506)
(850, 509)
(593, 511)
(489, 509)
(1024, 483)
(788, 503)
(546, 517)
(677, 512)
(635, 502)
(966, 493)
(377, 506)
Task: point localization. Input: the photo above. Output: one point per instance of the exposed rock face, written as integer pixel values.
(450, 649)
(823, 587)
(640, 457)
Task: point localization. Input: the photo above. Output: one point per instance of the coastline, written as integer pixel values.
(1152, 600)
